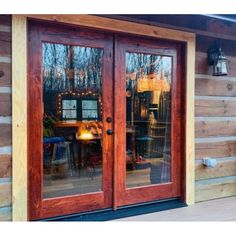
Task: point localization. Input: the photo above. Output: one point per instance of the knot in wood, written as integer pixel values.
(1, 73)
(229, 87)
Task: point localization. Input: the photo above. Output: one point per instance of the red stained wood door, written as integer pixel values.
(70, 96)
(105, 120)
(149, 104)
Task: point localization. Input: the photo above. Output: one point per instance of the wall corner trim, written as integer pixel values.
(190, 123)
(19, 118)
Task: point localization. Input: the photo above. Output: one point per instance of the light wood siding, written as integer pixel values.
(219, 107)
(224, 168)
(215, 188)
(5, 118)
(215, 129)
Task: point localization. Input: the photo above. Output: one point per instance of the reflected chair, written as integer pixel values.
(57, 154)
(48, 145)
(61, 159)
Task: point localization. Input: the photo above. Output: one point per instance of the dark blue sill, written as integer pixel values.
(122, 212)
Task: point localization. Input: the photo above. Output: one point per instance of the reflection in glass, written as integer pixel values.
(72, 122)
(148, 103)
(69, 109)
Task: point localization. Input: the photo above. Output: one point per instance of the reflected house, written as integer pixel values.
(72, 77)
(118, 120)
(72, 98)
(148, 114)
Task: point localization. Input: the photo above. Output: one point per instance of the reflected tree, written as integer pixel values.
(67, 68)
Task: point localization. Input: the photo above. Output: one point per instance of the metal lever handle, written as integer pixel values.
(109, 132)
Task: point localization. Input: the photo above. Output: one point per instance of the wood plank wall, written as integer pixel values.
(5, 118)
(215, 128)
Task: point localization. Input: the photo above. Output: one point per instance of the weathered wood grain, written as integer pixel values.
(5, 36)
(5, 214)
(216, 149)
(5, 70)
(221, 107)
(5, 137)
(5, 44)
(215, 87)
(206, 190)
(5, 104)
(5, 20)
(206, 128)
(5, 166)
(5, 194)
(223, 168)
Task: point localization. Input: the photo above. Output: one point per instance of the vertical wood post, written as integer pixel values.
(19, 118)
(190, 128)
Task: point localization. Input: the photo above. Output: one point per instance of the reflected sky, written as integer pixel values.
(68, 67)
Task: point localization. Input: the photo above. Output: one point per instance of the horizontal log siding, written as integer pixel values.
(215, 130)
(5, 104)
(217, 107)
(224, 168)
(5, 68)
(215, 188)
(5, 214)
(5, 194)
(5, 166)
(212, 128)
(5, 119)
(215, 87)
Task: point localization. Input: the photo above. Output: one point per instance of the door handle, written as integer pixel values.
(109, 132)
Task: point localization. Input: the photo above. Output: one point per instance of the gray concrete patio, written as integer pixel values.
(223, 209)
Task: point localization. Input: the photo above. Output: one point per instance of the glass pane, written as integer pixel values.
(69, 114)
(69, 104)
(72, 121)
(148, 128)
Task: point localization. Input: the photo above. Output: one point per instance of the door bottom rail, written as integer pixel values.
(122, 212)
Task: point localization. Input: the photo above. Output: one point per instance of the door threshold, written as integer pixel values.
(122, 212)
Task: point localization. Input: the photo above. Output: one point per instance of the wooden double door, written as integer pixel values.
(105, 120)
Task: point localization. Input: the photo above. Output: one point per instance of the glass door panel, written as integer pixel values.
(72, 119)
(148, 119)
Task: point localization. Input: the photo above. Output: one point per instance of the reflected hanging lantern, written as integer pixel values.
(217, 59)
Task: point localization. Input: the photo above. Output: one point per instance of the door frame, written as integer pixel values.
(19, 95)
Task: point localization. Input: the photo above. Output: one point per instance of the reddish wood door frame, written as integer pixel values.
(43, 208)
(126, 196)
(115, 193)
